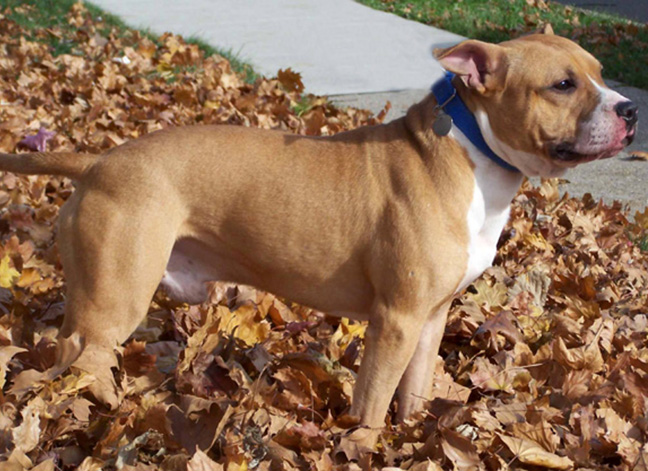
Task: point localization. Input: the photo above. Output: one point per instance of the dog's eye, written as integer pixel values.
(564, 85)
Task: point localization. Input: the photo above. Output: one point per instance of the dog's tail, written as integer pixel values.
(67, 164)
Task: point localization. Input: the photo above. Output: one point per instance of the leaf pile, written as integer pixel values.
(545, 359)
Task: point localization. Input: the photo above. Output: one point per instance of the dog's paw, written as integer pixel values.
(99, 362)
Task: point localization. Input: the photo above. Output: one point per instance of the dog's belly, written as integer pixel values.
(187, 271)
(193, 263)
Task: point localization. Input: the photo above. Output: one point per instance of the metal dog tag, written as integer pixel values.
(442, 124)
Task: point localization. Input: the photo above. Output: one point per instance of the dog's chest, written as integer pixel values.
(493, 191)
(484, 229)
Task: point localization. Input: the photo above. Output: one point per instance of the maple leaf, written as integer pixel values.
(491, 295)
(306, 436)
(6, 354)
(460, 450)
(529, 452)
(38, 141)
(587, 357)
(503, 323)
(244, 323)
(642, 460)
(290, 80)
(201, 462)
(8, 274)
(489, 377)
(136, 360)
(27, 435)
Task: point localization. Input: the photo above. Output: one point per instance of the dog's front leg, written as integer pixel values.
(416, 384)
(388, 350)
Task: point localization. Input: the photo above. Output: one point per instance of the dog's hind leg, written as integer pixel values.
(114, 256)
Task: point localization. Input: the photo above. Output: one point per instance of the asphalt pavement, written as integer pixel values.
(359, 57)
(636, 10)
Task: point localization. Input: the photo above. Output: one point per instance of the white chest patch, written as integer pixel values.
(489, 209)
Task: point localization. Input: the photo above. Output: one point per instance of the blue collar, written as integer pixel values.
(446, 95)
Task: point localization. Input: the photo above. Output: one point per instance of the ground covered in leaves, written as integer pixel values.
(545, 359)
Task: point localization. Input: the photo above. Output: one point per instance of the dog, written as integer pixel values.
(384, 224)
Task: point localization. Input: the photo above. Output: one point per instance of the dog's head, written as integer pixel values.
(540, 102)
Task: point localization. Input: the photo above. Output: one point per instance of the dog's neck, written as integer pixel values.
(455, 153)
(450, 104)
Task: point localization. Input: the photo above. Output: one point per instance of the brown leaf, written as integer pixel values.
(201, 462)
(6, 354)
(587, 357)
(195, 422)
(490, 377)
(306, 436)
(28, 380)
(503, 323)
(290, 80)
(529, 452)
(27, 435)
(459, 450)
(136, 360)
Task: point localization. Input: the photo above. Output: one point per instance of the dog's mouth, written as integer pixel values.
(565, 152)
(630, 136)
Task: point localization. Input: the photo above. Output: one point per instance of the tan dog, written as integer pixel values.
(385, 223)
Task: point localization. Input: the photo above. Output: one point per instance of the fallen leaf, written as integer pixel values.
(8, 274)
(6, 354)
(529, 452)
(638, 155)
(459, 450)
(290, 80)
(201, 462)
(27, 435)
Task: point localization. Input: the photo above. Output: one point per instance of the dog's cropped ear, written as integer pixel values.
(481, 66)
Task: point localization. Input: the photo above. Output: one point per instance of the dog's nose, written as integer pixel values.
(627, 111)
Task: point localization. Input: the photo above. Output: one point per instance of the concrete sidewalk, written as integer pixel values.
(357, 56)
(339, 46)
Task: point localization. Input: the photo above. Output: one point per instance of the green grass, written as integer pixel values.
(37, 15)
(620, 45)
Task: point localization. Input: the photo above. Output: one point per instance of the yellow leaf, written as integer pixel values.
(164, 69)
(537, 240)
(244, 323)
(529, 452)
(534, 323)
(28, 277)
(212, 105)
(354, 329)
(7, 274)
(491, 296)
(639, 155)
